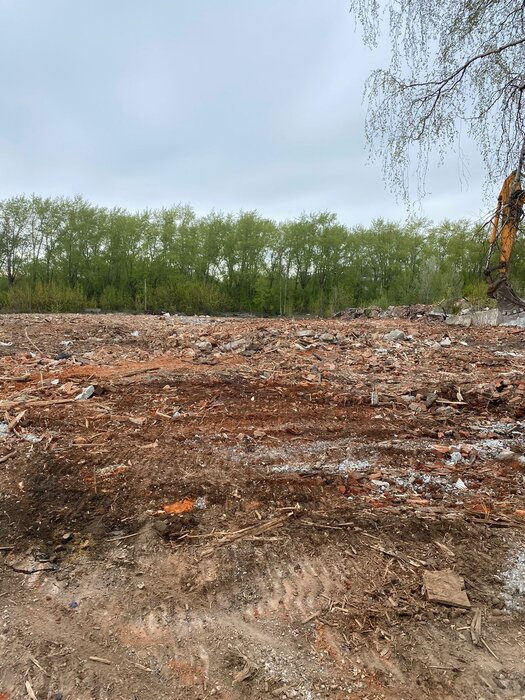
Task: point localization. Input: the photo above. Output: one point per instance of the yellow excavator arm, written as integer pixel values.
(504, 229)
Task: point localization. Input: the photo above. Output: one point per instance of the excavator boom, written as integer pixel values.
(505, 224)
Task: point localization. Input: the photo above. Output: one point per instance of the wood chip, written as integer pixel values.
(246, 532)
(30, 691)
(446, 587)
(475, 628)
(33, 660)
(99, 660)
(16, 420)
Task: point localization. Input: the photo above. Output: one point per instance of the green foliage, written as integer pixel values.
(43, 298)
(115, 299)
(64, 255)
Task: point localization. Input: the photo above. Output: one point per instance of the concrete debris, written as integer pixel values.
(395, 335)
(466, 317)
(506, 455)
(437, 313)
(86, 393)
(517, 320)
(487, 317)
(239, 345)
(204, 345)
(303, 453)
(462, 320)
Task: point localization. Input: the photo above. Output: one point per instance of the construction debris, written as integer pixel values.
(261, 497)
(446, 587)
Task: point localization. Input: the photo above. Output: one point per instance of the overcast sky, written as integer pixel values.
(221, 104)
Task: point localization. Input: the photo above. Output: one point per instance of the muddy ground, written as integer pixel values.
(246, 508)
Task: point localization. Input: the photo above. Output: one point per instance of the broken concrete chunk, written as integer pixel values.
(436, 313)
(204, 345)
(464, 320)
(514, 320)
(395, 335)
(430, 400)
(235, 345)
(489, 317)
(86, 393)
(446, 587)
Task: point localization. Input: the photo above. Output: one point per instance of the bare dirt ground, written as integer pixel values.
(246, 508)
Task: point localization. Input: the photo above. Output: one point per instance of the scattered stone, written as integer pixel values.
(436, 313)
(239, 345)
(514, 320)
(327, 338)
(446, 410)
(463, 320)
(430, 400)
(350, 313)
(305, 333)
(395, 335)
(506, 455)
(445, 343)
(204, 345)
(488, 317)
(86, 393)
(383, 485)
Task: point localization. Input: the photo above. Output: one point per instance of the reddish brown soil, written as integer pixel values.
(357, 462)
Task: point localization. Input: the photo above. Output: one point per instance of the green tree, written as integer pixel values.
(15, 215)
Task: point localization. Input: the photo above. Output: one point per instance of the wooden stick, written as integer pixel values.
(38, 665)
(140, 371)
(38, 403)
(16, 420)
(254, 530)
(35, 346)
(99, 660)
(123, 537)
(30, 691)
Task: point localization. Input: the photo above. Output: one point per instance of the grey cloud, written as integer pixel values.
(226, 105)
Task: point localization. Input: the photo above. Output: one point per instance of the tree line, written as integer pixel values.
(67, 255)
